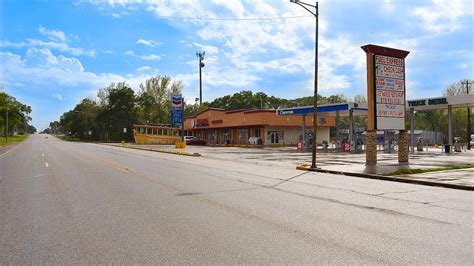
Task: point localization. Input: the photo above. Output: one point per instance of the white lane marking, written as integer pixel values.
(47, 165)
(16, 146)
(5, 153)
(42, 155)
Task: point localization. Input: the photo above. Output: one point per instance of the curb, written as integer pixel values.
(183, 153)
(386, 178)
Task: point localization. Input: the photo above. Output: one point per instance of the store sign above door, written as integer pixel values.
(427, 102)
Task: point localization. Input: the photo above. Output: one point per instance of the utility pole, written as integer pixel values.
(200, 55)
(315, 13)
(468, 116)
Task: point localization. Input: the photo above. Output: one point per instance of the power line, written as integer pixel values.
(233, 19)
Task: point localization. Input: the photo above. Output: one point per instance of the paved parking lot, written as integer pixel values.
(289, 157)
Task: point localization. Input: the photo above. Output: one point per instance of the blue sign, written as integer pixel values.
(176, 102)
(321, 109)
(176, 116)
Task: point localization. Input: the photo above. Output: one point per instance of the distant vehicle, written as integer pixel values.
(187, 139)
(196, 142)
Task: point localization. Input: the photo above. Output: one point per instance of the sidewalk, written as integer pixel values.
(354, 164)
(342, 163)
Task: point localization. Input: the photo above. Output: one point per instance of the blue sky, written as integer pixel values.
(55, 53)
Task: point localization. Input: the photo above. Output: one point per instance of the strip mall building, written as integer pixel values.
(265, 127)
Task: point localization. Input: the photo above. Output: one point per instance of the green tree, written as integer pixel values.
(154, 99)
(120, 112)
(79, 121)
(18, 115)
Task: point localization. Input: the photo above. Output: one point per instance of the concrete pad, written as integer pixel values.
(289, 157)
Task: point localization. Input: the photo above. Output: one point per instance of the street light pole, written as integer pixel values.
(200, 55)
(467, 83)
(315, 13)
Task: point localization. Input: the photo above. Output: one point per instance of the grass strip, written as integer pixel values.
(67, 138)
(407, 171)
(12, 139)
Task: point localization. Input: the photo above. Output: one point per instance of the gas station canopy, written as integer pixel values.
(466, 100)
(360, 109)
(342, 109)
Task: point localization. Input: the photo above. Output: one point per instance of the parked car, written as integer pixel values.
(187, 139)
(196, 142)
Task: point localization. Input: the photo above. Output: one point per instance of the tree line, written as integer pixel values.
(18, 116)
(118, 106)
(109, 116)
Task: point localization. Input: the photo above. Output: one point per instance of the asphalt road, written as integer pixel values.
(63, 202)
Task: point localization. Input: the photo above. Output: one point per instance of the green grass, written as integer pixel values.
(12, 139)
(67, 138)
(408, 171)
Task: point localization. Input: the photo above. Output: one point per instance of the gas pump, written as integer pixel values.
(343, 140)
(389, 141)
(419, 145)
(457, 146)
(308, 139)
(356, 145)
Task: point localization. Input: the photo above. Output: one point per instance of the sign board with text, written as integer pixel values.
(389, 92)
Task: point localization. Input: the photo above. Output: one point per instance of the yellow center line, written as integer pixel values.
(105, 162)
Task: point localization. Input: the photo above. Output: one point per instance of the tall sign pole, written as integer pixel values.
(386, 98)
(467, 83)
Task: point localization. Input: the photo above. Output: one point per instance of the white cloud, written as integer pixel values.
(43, 58)
(149, 43)
(143, 69)
(444, 15)
(150, 57)
(209, 49)
(129, 53)
(241, 53)
(58, 96)
(48, 72)
(54, 35)
(57, 40)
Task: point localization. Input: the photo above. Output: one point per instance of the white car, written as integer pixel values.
(189, 138)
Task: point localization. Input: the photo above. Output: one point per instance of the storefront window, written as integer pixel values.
(275, 137)
(243, 136)
(257, 133)
(225, 136)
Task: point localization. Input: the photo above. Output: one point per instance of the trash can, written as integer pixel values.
(419, 146)
(447, 148)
